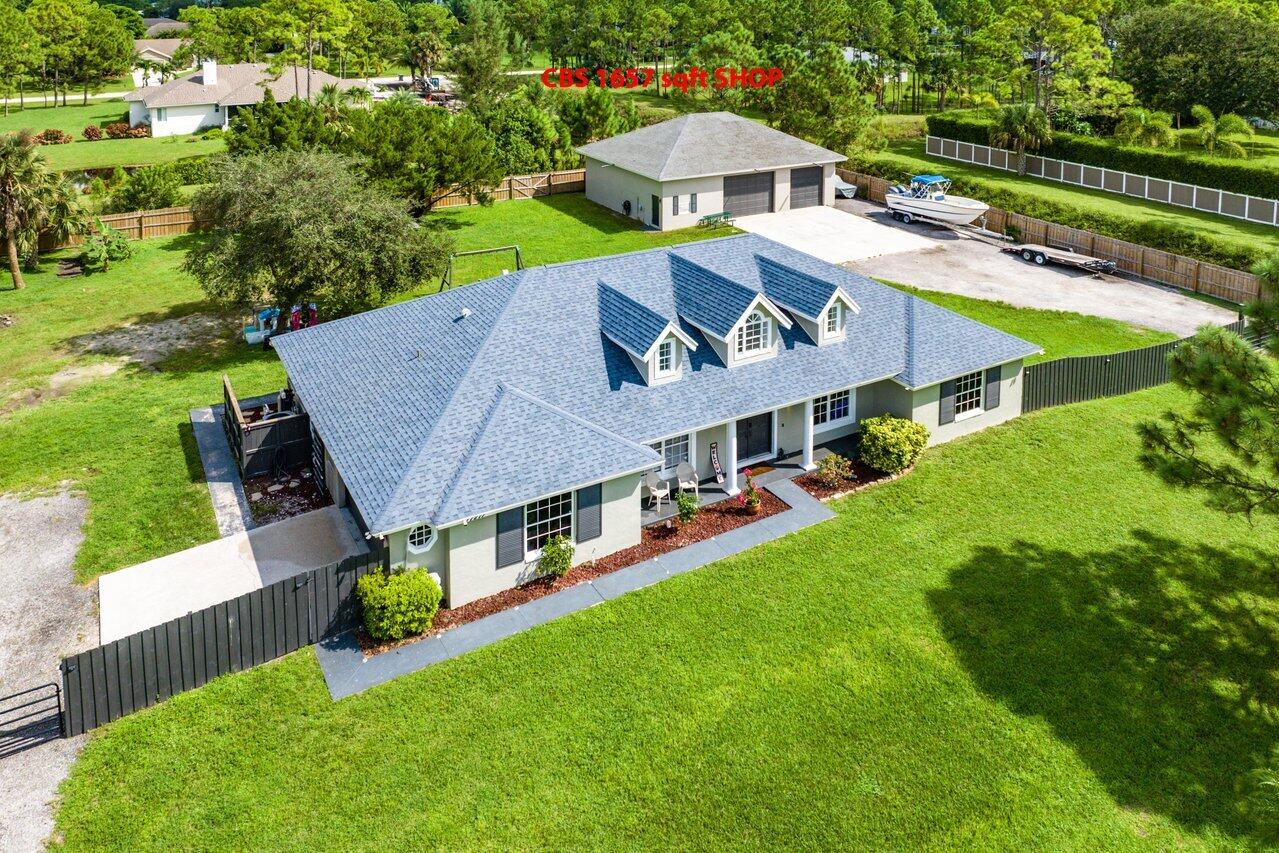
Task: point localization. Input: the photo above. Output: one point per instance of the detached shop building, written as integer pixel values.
(670, 175)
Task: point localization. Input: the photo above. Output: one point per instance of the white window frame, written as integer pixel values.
(821, 410)
(834, 314)
(534, 553)
(968, 395)
(669, 347)
(425, 546)
(661, 446)
(161, 113)
(765, 335)
(675, 205)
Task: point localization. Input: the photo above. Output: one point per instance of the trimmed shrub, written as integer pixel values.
(148, 188)
(1237, 176)
(398, 604)
(892, 444)
(688, 506)
(117, 129)
(835, 470)
(193, 170)
(557, 556)
(53, 136)
(139, 131)
(92, 133)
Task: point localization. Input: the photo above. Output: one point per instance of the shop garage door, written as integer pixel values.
(745, 195)
(806, 187)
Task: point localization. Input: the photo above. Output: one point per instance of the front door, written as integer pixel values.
(656, 214)
(755, 436)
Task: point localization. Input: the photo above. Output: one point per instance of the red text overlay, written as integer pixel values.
(639, 78)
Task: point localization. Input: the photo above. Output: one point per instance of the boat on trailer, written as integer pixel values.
(928, 198)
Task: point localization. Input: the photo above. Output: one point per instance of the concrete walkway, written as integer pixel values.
(230, 504)
(347, 672)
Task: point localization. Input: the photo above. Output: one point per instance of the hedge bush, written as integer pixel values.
(148, 188)
(93, 133)
(1237, 176)
(398, 604)
(892, 444)
(117, 129)
(193, 170)
(53, 136)
(557, 556)
(1180, 240)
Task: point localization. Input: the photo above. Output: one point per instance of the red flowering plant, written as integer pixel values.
(749, 497)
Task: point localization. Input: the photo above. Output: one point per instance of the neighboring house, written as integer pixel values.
(152, 53)
(209, 97)
(467, 427)
(157, 27)
(669, 175)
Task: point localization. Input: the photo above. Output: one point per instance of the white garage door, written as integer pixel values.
(745, 195)
(805, 187)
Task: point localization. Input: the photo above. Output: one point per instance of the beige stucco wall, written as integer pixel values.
(471, 571)
(927, 402)
(610, 186)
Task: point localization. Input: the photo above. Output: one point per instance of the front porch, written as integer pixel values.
(785, 467)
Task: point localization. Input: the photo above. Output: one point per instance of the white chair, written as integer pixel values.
(687, 478)
(658, 489)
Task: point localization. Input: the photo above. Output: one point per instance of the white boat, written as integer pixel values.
(928, 197)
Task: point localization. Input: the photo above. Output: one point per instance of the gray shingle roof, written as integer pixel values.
(631, 325)
(706, 299)
(701, 144)
(422, 408)
(795, 291)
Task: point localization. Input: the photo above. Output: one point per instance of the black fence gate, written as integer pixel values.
(29, 718)
(135, 672)
(1086, 377)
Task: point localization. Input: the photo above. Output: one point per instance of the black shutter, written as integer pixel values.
(992, 387)
(510, 537)
(589, 500)
(946, 412)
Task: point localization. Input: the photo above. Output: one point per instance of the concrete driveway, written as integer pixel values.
(956, 263)
(833, 235)
(154, 592)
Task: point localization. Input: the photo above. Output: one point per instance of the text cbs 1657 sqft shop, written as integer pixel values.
(639, 78)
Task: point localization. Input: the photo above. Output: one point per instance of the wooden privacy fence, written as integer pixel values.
(1154, 264)
(1263, 211)
(135, 672)
(1076, 379)
(523, 186)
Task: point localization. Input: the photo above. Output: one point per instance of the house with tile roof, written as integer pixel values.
(671, 174)
(209, 97)
(465, 428)
(150, 54)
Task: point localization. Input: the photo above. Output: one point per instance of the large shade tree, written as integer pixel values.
(289, 227)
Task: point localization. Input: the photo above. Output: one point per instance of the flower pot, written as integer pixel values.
(754, 508)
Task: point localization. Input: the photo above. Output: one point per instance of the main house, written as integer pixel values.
(466, 428)
(209, 97)
(670, 175)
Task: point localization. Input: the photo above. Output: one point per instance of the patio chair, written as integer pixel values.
(687, 478)
(658, 489)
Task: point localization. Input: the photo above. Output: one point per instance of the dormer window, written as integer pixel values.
(835, 319)
(755, 335)
(666, 357)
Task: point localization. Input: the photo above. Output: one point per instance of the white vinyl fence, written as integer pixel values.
(1263, 211)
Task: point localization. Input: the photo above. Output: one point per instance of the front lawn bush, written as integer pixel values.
(892, 444)
(688, 507)
(835, 470)
(399, 604)
(557, 556)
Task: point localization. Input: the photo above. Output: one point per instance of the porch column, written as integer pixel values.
(730, 458)
(806, 462)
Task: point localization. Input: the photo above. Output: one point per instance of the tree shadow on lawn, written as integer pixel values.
(1155, 660)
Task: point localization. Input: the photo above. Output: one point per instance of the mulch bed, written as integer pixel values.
(298, 493)
(866, 477)
(655, 540)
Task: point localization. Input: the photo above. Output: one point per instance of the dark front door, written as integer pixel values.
(755, 436)
(805, 187)
(656, 215)
(745, 195)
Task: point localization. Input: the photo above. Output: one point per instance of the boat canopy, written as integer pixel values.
(928, 179)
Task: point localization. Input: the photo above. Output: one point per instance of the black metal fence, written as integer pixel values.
(29, 718)
(135, 672)
(1087, 377)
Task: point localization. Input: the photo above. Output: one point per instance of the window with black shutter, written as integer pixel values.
(510, 537)
(992, 387)
(946, 411)
(589, 504)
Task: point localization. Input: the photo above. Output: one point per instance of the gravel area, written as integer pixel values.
(970, 267)
(44, 615)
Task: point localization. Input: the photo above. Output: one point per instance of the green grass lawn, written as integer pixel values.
(911, 156)
(1028, 643)
(105, 153)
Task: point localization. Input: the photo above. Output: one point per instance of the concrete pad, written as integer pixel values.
(833, 235)
(156, 591)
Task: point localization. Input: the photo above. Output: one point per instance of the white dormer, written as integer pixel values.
(755, 336)
(665, 362)
(830, 324)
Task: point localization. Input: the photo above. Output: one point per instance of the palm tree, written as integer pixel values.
(1215, 131)
(1149, 128)
(63, 218)
(32, 199)
(1021, 127)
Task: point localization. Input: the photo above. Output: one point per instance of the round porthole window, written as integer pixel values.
(421, 538)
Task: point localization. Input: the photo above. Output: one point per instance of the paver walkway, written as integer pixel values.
(347, 672)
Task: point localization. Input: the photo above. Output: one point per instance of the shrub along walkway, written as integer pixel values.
(347, 672)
